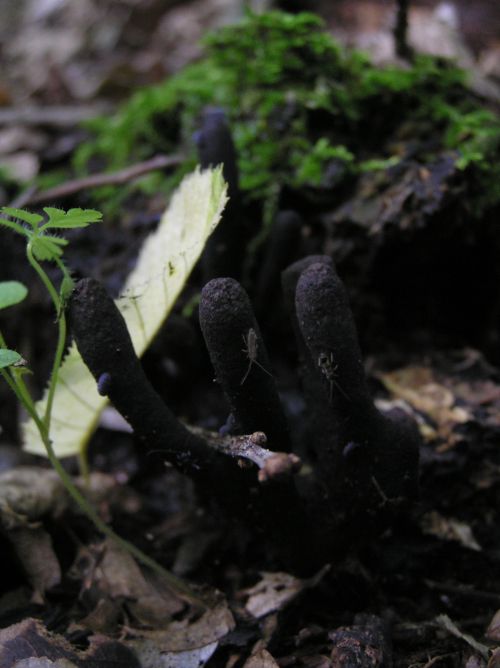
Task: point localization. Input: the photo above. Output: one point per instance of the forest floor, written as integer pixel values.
(424, 593)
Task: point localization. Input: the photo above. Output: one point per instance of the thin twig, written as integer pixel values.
(250, 446)
(23, 197)
(445, 622)
(102, 179)
(59, 116)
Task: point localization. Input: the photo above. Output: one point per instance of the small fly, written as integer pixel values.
(328, 368)
(251, 351)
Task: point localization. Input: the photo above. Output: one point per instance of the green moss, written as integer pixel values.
(301, 107)
(312, 161)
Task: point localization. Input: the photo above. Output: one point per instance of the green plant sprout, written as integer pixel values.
(42, 245)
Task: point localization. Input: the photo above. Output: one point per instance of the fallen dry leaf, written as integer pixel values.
(448, 528)
(261, 659)
(28, 495)
(186, 635)
(419, 388)
(445, 622)
(115, 576)
(275, 590)
(478, 393)
(182, 644)
(22, 644)
(151, 656)
(272, 593)
(493, 630)
(494, 661)
(44, 663)
(33, 547)
(474, 662)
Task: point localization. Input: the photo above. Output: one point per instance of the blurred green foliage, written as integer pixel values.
(305, 112)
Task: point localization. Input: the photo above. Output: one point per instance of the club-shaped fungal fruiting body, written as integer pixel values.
(359, 466)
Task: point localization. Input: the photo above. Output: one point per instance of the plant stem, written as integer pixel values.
(19, 388)
(61, 335)
(83, 465)
(178, 586)
(43, 276)
(13, 386)
(17, 385)
(61, 342)
(43, 426)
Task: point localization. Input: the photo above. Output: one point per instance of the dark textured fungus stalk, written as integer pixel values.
(402, 47)
(362, 465)
(317, 423)
(289, 279)
(327, 327)
(224, 252)
(273, 510)
(281, 249)
(243, 369)
(371, 460)
(240, 361)
(104, 343)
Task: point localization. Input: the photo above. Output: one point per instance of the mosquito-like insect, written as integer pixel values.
(328, 367)
(251, 350)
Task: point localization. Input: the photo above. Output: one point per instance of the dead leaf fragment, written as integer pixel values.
(447, 528)
(475, 662)
(494, 661)
(34, 549)
(272, 593)
(114, 576)
(29, 645)
(478, 393)
(104, 618)
(151, 656)
(275, 591)
(183, 644)
(493, 630)
(419, 388)
(445, 622)
(44, 663)
(186, 635)
(26, 494)
(261, 659)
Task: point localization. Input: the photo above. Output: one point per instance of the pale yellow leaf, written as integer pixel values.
(163, 266)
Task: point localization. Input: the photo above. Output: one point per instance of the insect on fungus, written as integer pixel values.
(328, 367)
(251, 351)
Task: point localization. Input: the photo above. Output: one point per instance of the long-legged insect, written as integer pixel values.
(250, 350)
(326, 363)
